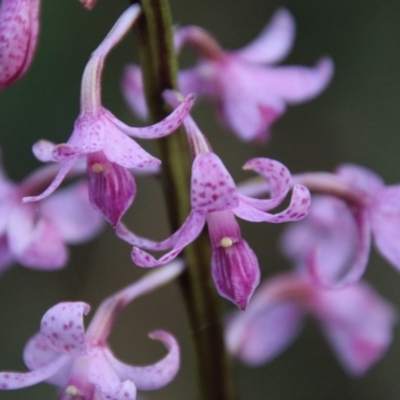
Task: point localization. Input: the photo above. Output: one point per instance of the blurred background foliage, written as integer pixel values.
(355, 120)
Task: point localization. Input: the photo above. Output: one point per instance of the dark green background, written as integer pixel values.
(356, 119)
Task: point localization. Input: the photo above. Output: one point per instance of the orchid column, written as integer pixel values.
(159, 66)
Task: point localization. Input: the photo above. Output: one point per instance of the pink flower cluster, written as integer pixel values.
(329, 247)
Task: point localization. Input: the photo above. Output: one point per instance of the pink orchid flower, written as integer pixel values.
(35, 235)
(356, 321)
(104, 140)
(333, 242)
(216, 201)
(250, 93)
(80, 363)
(19, 29)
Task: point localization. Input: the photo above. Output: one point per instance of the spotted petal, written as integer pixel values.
(63, 327)
(297, 209)
(154, 376)
(19, 28)
(278, 178)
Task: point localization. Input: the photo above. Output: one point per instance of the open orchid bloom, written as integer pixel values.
(35, 235)
(333, 242)
(80, 363)
(19, 28)
(250, 93)
(104, 140)
(356, 321)
(215, 200)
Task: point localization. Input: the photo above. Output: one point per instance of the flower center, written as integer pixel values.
(72, 391)
(226, 242)
(97, 168)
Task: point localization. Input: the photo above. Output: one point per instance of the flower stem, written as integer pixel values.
(159, 66)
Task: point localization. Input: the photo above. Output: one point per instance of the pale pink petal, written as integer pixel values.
(235, 272)
(19, 27)
(296, 84)
(38, 354)
(102, 375)
(360, 178)
(124, 151)
(188, 232)
(112, 188)
(35, 243)
(385, 223)
(162, 128)
(332, 273)
(328, 236)
(43, 150)
(278, 179)
(358, 323)
(71, 213)
(274, 41)
(132, 89)
(297, 209)
(62, 173)
(249, 107)
(212, 187)
(90, 131)
(154, 376)
(191, 81)
(126, 235)
(18, 380)
(258, 337)
(63, 327)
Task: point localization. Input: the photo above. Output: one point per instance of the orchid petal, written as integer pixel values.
(361, 178)
(18, 380)
(162, 128)
(132, 89)
(63, 327)
(35, 243)
(278, 178)
(213, 188)
(274, 41)
(296, 84)
(112, 188)
(259, 337)
(340, 275)
(126, 235)
(154, 376)
(71, 213)
(297, 209)
(188, 232)
(43, 150)
(191, 81)
(124, 151)
(38, 354)
(66, 167)
(90, 131)
(235, 272)
(248, 108)
(19, 27)
(358, 323)
(385, 223)
(103, 376)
